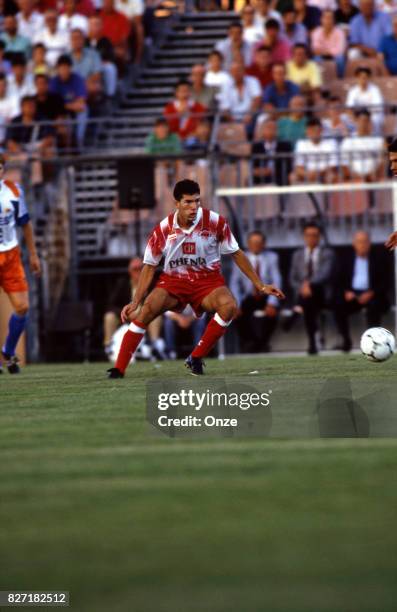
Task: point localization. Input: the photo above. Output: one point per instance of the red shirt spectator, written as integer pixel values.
(280, 49)
(261, 67)
(115, 26)
(183, 114)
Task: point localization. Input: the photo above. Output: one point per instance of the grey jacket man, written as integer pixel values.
(266, 264)
(323, 264)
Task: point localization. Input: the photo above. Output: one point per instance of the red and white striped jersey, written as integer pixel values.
(191, 253)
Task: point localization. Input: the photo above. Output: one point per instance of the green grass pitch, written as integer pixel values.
(127, 522)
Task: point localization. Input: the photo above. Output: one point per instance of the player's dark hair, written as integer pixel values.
(365, 69)
(393, 146)
(185, 187)
(272, 24)
(313, 225)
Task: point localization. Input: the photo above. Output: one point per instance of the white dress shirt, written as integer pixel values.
(316, 156)
(29, 28)
(239, 102)
(362, 154)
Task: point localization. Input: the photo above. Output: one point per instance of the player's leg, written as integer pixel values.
(16, 326)
(157, 302)
(222, 302)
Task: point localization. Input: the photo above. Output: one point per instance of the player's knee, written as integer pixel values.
(228, 311)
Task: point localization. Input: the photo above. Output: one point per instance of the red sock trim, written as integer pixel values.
(212, 333)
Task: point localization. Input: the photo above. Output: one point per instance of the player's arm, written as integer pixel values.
(391, 242)
(34, 261)
(145, 279)
(246, 268)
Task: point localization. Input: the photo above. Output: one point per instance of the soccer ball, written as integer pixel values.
(377, 344)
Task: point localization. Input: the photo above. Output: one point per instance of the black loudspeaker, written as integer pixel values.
(136, 183)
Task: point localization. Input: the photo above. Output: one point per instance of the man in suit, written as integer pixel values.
(258, 313)
(361, 282)
(271, 157)
(310, 278)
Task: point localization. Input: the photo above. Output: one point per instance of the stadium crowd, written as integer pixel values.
(314, 83)
(318, 279)
(61, 61)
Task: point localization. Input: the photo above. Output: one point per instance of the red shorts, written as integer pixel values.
(190, 291)
(12, 274)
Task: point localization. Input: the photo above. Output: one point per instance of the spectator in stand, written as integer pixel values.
(261, 67)
(344, 13)
(38, 63)
(329, 42)
(271, 157)
(362, 156)
(278, 94)
(5, 65)
(161, 141)
(115, 25)
(71, 87)
(86, 61)
(71, 19)
(315, 158)
(13, 41)
(49, 106)
(30, 22)
(200, 140)
(293, 127)
(241, 102)
(360, 283)
(304, 72)
(366, 95)
(264, 12)
(280, 50)
(9, 106)
(216, 76)
(183, 113)
(258, 313)
(310, 16)
(20, 81)
(336, 124)
(117, 28)
(56, 40)
(133, 10)
(367, 29)
(323, 5)
(86, 7)
(202, 93)
(234, 47)
(104, 47)
(252, 33)
(24, 134)
(293, 32)
(388, 49)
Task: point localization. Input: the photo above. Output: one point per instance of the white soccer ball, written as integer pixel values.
(377, 344)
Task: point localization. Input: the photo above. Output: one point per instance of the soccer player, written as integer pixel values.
(391, 242)
(192, 241)
(13, 213)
